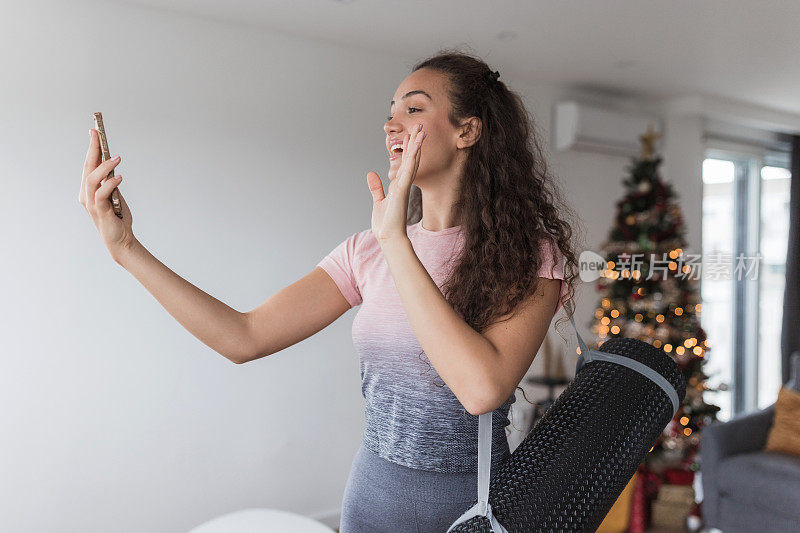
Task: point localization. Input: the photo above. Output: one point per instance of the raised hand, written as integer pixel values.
(95, 196)
(389, 211)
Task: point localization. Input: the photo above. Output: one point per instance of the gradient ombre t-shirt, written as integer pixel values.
(409, 419)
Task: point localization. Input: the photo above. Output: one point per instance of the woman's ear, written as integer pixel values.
(470, 133)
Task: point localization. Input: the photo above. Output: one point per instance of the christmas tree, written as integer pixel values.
(649, 292)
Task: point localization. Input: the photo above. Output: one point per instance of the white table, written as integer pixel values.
(257, 520)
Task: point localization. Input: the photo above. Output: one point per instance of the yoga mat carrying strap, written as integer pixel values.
(482, 506)
(595, 355)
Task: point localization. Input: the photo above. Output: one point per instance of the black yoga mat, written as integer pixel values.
(577, 459)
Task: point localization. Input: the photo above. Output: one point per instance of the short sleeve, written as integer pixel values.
(339, 264)
(553, 268)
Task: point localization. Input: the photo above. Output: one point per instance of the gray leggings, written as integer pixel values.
(386, 497)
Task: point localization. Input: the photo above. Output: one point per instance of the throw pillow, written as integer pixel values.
(784, 435)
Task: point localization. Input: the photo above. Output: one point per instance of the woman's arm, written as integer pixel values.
(482, 370)
(289, 316)
(217, 325)
(294, 313)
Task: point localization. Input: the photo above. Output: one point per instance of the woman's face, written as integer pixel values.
(421, 99)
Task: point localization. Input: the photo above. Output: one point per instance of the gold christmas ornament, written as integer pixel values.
(648, 142)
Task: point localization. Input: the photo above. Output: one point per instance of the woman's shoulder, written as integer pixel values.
(363, 244)
(365, 238)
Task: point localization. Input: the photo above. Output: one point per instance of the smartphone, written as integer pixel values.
(116, 204)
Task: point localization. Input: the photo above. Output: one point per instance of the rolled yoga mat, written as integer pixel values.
(577, 459)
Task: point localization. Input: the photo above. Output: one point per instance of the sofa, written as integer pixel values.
(745, 488)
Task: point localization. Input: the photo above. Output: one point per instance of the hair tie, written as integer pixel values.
(491, 77)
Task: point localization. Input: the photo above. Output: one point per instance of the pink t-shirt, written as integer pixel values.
(409, 420)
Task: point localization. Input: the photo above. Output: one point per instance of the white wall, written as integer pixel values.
(244, 156)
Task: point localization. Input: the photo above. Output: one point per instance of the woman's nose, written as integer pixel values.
(391, 126)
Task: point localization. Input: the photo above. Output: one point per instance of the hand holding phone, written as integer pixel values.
(98, 184)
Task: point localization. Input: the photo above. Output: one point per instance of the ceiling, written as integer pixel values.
(738, 49)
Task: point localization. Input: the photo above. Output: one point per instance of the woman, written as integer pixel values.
(465, 294)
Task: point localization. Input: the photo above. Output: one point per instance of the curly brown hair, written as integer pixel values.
(508, 204)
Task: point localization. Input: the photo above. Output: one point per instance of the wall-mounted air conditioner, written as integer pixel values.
(588, 127)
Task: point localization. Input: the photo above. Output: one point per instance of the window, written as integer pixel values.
(745, 224)
(717, 292)
(774, 238)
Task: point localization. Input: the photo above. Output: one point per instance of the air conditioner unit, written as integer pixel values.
(587, 127)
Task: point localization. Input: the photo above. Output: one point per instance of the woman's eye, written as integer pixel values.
(410, 110)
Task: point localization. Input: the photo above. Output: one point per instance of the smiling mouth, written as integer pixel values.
(397, 151)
